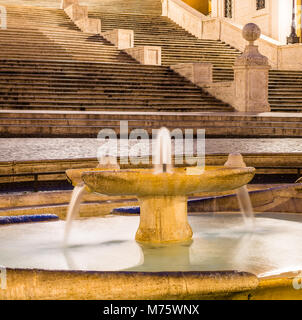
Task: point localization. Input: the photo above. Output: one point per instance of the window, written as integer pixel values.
(260, 4)
(228, 8)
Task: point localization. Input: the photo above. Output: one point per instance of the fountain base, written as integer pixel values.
(163, 219)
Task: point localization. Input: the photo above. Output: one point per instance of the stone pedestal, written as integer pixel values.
(199, 73)
(148, 55)
(251, 75)
(79, 15)
(89, 25)
(76, 12)
(121, 38)
(163, 219)
(251, 88)
(67, 3)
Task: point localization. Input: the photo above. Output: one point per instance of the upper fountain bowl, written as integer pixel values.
(143, 182)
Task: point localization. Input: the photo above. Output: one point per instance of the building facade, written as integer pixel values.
(273, 16)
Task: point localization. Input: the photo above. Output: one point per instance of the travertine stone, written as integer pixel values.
(89, 25)
(163, 196)
(163, 220)
(200, 73)
(124, 285)
(67, 3)
(251, 32)
(121, 38)
(76, 12)
(223, 91)
(287, 199)
(148, 55)
(249, 90)
(282, 57)
(211, 29)
(289, 57)
(184, 15)
(251, 75)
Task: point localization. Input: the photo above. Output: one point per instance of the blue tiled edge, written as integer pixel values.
(27, 218)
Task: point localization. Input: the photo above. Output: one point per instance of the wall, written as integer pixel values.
(274, 20)
(284, 19)
(299, 18)
(200, 5)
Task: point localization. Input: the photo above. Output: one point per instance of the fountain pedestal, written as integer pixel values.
(163, 219)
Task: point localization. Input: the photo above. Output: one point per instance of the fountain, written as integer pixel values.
(162, 192)
(152, 255)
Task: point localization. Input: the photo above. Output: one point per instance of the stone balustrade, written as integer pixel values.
(282, 57)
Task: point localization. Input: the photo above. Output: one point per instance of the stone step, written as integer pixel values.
(133, 123)
(285, 118)
(50, 34)
(113, 87)
(91, 131)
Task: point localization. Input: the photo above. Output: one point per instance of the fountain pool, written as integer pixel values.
(220, 242)
(160, 254)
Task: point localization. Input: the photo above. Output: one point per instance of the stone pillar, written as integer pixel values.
(251, 75)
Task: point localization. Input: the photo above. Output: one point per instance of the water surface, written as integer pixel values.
(107, 244)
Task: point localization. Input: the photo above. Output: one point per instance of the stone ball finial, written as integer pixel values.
(251, 32)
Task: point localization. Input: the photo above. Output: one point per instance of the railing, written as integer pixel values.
(283, 57)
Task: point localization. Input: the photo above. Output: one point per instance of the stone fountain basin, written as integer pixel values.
(143, 182)
(110, 265)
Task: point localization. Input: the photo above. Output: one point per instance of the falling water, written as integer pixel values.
(73, 209)
(245, 205)
(105, 162)
(235, 160)
(162, 154)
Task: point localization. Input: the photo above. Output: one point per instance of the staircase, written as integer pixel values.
(149, 7)
(51, 65)
(42, 33)
(74, 124)
(51, 72)
(179, 46)
(71, 85)
(285, 88)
